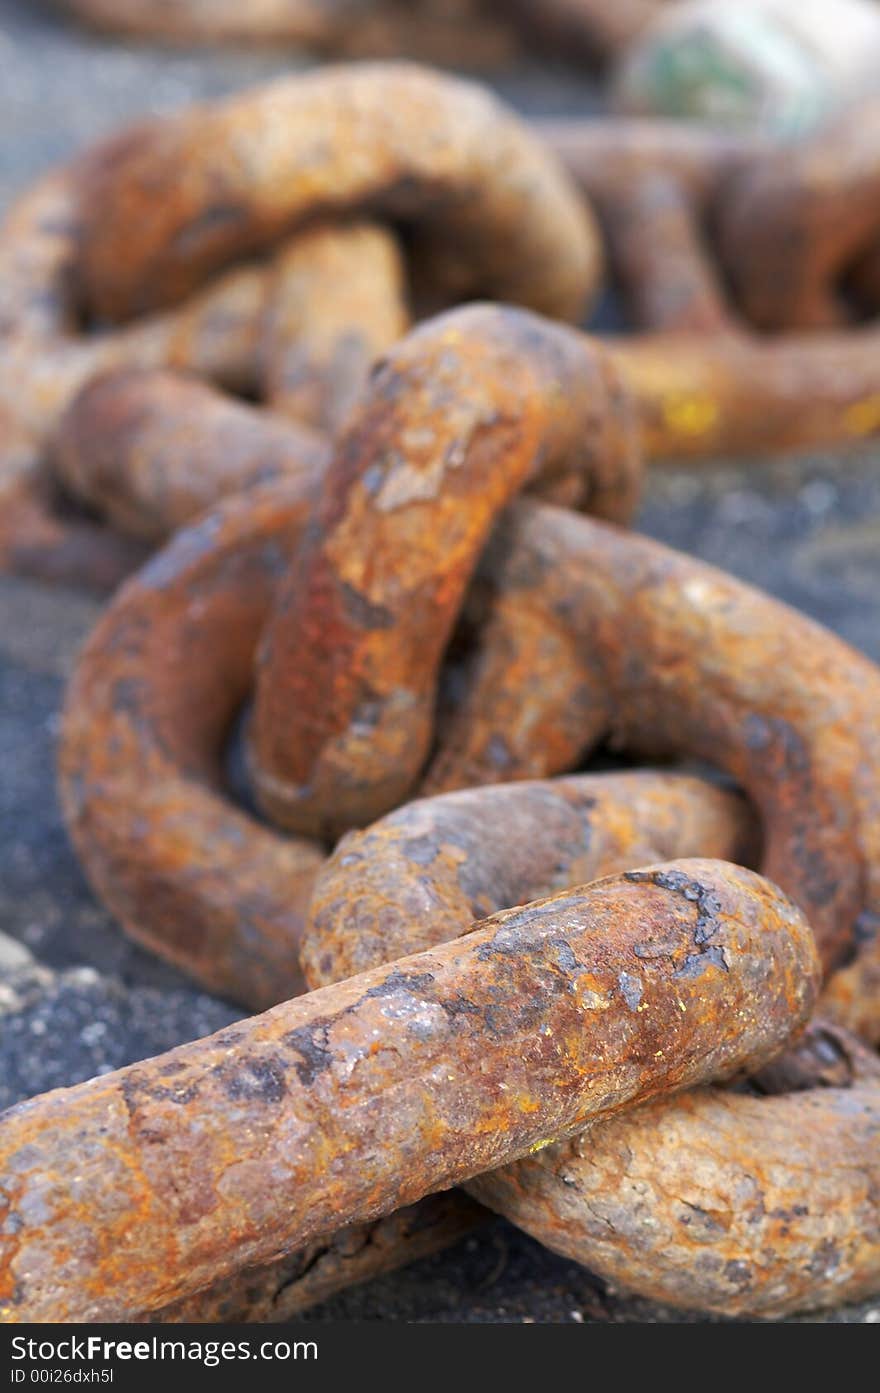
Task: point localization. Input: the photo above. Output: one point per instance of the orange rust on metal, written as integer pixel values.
(464, 412)
(286, 330)
(739, 393)
(152, 450)
(826, 1056)
(666, 656)
(143, 1187)
(718, 1201)
(164, 673)
(654, 185)
(46, 359)
(422, 874)
(147, 716)
(608, 635)
(473, 33)
(663, 653)
(356, 1254)
(762, 1207)
(528, 237)
(702, 384)
(685, 213)
(455, 33)
(335, 304)
(795, 226)
(673, 657)
(555, 833)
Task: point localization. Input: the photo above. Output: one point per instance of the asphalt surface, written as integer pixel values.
(806, 530)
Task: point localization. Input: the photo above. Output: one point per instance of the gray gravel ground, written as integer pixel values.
(808, 531)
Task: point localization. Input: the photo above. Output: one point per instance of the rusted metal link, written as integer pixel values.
(284, 1288)
(581, 826)
(163, 676)
(717, 1201)
(454, 33)
(142, 1187)
(609, 634)
(289, 330)
(702, 383)
(554, 833)
(524, 236)
(662, 653)
(422, 874)
(688, 215)
(302, 337)
(670, 657)
(800, 230)
(239, 1158)
(335, 304)
(473, 33)
(150, 451)
(653, 185)
(466, 411)
(46, 360)
(713, 1201)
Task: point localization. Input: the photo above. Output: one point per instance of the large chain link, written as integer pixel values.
(391, 619)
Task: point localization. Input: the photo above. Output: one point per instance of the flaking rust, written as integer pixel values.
(358, 1098)
(672, 657)
(716, 1200)
(465, 412)
(608, 635)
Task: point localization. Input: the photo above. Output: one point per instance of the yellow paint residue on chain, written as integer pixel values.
(690, 415)
(863, 417)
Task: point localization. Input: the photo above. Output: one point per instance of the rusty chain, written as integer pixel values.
(463, 178)
(256, 1171)
(454, 167)
(619, 637)
(475, 32)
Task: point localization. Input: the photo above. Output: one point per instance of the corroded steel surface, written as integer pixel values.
(164, 673)
(148, 713)
(152, 450)
(336, 302)
(467, 410)
(46, 360)
(142, 1187)
(795, 227)
(290, 330)
(686, 215)
(452, 32)
(488, 185)
(422, 874)
(703, 382)
(715, 1201)
(663, 655)
(239, 1158)
(672, 657)
(282, 1289)
(607, 635)
(482, 205)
